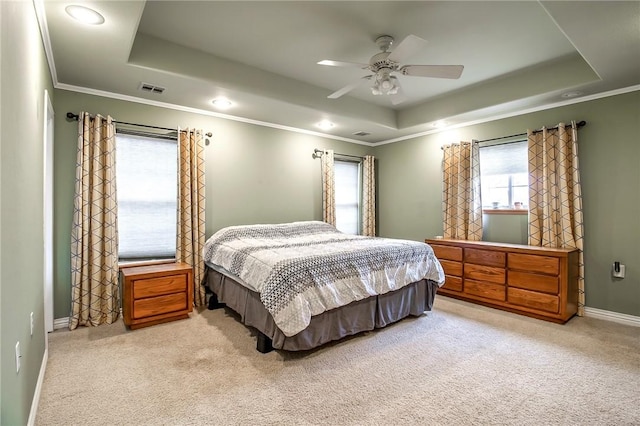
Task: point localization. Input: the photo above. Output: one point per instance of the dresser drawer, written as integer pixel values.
(150, 287)
(534, 263)
(159, 305)
(535, 282)
(485, 257)
(484, 273)
(447, 252)
(452, 283)
(532, 299)
(452, 268)
(484, 289)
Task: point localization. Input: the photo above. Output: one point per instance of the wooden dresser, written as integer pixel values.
(156, 293)
(535, 281)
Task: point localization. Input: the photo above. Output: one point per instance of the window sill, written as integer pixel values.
(505, 211)
(122, 265)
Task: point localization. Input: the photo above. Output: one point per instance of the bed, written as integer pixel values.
(304, 284)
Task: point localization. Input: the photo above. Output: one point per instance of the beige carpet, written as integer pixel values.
(461, 364)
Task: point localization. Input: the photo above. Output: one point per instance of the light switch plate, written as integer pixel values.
(18, 356)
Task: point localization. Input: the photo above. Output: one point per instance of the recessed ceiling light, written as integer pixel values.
(440, 124)
(325, 125)
(85, 15)
(222, 103)
(572, 94)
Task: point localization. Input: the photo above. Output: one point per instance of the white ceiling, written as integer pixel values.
(518, 56)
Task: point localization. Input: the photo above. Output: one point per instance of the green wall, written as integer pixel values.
(254, 174)
(24, 77)
(263, 175)
(410, 201)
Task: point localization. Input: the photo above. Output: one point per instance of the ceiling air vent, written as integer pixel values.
(361, 133)
(146, 87)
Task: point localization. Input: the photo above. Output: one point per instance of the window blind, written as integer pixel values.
(504, 174)
(503, 159)
(146, 179)
(347, 187)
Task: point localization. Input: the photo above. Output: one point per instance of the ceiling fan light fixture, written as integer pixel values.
(386, 85)
(84, 15)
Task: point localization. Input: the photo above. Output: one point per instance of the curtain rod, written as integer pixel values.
(318, 153)
(580, 124)
(76, 117)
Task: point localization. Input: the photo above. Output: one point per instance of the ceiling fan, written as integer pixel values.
(384, 64)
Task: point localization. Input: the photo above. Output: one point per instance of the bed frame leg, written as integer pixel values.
(264, 345)
(214, 303)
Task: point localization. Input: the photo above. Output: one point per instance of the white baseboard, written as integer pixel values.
(612, 316)
(36, 394)
(59, 323)
(626, 319)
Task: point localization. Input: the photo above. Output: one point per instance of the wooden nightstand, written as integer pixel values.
(156, 293)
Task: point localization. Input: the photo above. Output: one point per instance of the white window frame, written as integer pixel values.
(120, 135)
(358, 164)
(487, 202)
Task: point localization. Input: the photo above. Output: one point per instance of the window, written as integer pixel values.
(504, 175)
(348, 189)
(147, 187)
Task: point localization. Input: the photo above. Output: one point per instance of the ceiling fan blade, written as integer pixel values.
(348, 88)
(436, 71)
(332, 63)
(407, 47)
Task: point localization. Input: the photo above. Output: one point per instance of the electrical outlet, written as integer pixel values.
(618, 270)
(18, 356)
(31, 322)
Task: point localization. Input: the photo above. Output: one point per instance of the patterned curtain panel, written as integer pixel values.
(368, 197)
(328, 188)
(94, 232)
(191, 207)
(461, 203)
(555, 194)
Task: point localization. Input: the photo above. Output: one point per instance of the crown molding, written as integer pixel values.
(176, 107)
(128, 98)
(38, 6)
(518, 112)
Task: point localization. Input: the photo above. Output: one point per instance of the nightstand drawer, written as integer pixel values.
(159, 305)
(150, 287)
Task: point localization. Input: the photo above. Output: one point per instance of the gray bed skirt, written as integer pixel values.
(364, 315)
